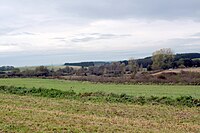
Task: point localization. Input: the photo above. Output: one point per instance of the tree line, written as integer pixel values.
(115, 69)
(161, 59)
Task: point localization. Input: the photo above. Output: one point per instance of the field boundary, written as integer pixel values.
(101, 96)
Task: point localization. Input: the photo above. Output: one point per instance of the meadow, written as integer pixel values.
(39, 114)
(81, 87)
(48, 67)
(63, 110)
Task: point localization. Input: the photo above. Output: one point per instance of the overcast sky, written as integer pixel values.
(42, 32)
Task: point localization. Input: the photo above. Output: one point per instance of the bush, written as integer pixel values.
(161, 76)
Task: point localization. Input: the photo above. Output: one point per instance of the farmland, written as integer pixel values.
(43, 113)
(36, 114)
(80, 87)
(99, 66)
(48, 67)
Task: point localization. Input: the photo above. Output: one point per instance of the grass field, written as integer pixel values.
(196, 59)
(134, 90)
(48, 67)
(44, 114)
(36, 114)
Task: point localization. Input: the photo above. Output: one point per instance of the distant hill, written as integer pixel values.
(187, 56)
(144, 61)
(87, 64)
(6, 68)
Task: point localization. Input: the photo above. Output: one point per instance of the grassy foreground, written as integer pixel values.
(37, 114)
(81, 87)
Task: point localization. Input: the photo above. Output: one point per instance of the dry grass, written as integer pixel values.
(179, 70)
(34, 114)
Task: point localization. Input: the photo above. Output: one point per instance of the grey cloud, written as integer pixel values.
(18, 16)
(16, 44)
(85, 39)
(9, 44)
(21, 33)
(111, 9)
(28, 13)
(189, 44)
(12, 31)
(6, 30)
(196, 35)
(100, 9)
(184, 41)
(110, 36)
(59, 38)
(27, 33)
(96, 36)
(60, 57)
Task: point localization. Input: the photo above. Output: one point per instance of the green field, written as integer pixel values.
(48, 67)
(30, 113)
(37, 114)
(134, 90)
(196, 59)
(44, 114)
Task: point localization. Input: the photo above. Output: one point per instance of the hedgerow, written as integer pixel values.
(101, 96)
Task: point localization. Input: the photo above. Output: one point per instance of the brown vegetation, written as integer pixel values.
(184, 77)
(179, 70)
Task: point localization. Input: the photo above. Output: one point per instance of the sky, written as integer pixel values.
(46, 32)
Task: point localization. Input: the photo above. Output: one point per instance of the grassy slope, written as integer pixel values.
(135, 90)
(34, 114)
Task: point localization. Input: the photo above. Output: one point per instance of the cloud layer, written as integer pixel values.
(36, 32)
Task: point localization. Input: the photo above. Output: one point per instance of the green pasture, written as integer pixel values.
(196, 59)
(134, 90)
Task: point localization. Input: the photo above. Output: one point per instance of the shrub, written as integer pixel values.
(161, 76)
